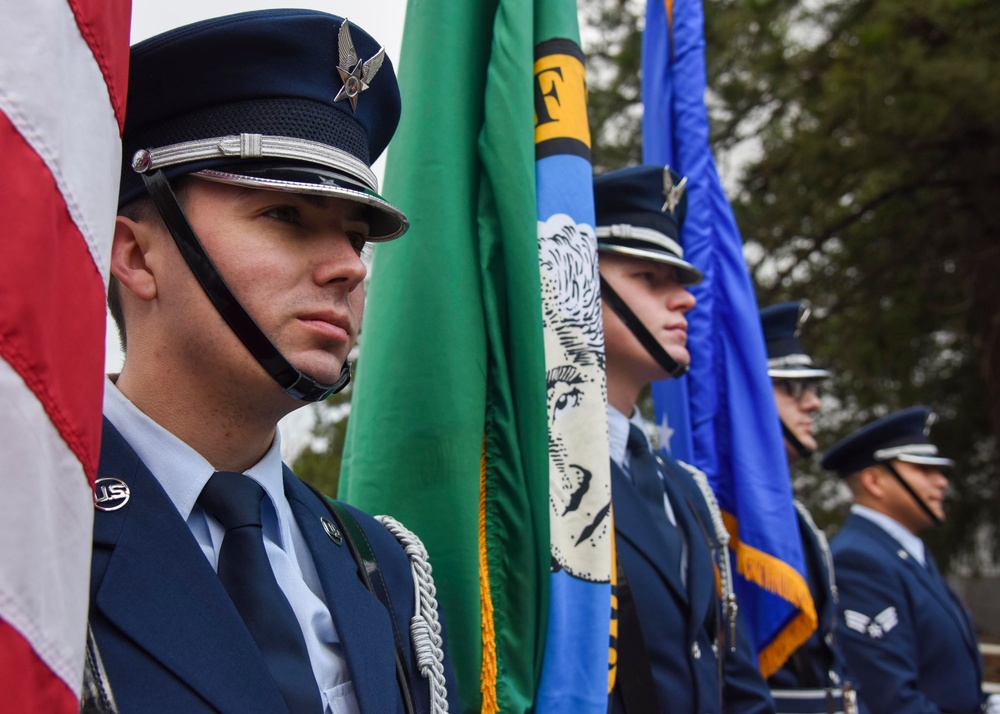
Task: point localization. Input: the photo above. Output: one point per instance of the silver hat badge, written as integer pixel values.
(672, 193)
(804, 312)
(931, 420)
(355, 74)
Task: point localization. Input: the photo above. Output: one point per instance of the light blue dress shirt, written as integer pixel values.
(183, 473)
(910, 542)
(618, 430)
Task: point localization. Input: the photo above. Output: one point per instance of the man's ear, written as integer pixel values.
(872, 480)
(128, 258)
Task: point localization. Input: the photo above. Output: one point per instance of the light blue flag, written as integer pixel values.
(575, 676)
(721, 417)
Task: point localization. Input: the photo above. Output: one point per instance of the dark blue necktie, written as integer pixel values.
(234, 500)
(646, 479)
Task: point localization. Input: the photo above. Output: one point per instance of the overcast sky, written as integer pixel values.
(382, 19)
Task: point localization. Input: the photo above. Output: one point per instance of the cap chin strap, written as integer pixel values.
(655, 349)
(293, 382)
(909, 489)
(801, 449)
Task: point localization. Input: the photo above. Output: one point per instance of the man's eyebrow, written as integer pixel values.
(356, 211)
(312, 199)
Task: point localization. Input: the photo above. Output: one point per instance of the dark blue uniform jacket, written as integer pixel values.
(811, 665)
(905, 635)
(680, 624)
(171, 638)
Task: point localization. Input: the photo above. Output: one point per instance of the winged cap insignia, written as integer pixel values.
(931, 418)
(672, 193)
(355, 74)
(804, 312)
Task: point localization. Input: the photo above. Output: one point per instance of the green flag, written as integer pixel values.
(441, 388)
(454, 399)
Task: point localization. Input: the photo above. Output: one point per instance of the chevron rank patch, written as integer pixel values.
(875, 627)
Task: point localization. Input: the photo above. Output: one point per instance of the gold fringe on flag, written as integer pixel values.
(778, 577)
(488, 673)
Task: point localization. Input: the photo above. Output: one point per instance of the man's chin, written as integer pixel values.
(322, 371)
(680, 355)
(808, 441)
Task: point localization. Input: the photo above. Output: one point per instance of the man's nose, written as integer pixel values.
(681, 299)
(340, 263)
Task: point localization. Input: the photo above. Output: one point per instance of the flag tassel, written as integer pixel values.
(778, 577)
(488, 674)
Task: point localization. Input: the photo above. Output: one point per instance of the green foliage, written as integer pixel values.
(869, 137)
(319, 462)
(612, 36)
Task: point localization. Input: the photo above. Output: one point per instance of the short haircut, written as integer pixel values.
(140, 210)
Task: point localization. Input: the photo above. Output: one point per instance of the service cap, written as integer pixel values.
(640, 211)
(902, 435)
(786, 357)
(285, 100)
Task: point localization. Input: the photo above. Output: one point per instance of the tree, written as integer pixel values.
(869, 137)
(612, 38)
(319, 461)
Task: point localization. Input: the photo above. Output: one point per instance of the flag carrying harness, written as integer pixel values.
(425, 627)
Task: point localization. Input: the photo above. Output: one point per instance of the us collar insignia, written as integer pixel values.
(355, 74)
(672, 193)
(110, 494)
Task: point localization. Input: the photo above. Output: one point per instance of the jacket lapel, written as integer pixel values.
(935, 584)
(161, 591)
(949, 601)
(634, 524)
(701, 574)
(817, 565)
(363, 625)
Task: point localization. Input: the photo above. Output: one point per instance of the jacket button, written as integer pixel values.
(695, 650)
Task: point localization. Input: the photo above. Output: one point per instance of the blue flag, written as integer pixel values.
(721, 417)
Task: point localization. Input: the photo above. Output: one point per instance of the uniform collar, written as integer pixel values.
(618, 431)
(180, 470)
(911, 543)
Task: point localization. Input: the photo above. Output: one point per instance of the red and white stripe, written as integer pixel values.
(63, 81)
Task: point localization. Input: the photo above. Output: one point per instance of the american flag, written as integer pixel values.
(63, 82)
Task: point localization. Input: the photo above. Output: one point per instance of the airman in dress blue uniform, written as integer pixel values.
(906, 636)
(681, 647)
(813, 678)
(220, 581)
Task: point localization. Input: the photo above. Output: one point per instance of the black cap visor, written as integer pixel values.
(924, 460)
(687, 274)
(920, 454)
(387, 221)
(799, 373)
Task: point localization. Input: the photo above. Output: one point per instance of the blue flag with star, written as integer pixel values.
(721, 417)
